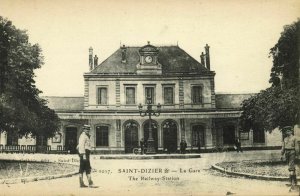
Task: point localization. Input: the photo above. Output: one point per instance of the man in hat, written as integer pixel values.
(84, 149)
(289, 150)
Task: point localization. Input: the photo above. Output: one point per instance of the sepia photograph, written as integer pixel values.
(161, 97)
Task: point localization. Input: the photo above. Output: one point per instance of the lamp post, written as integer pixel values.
(150, 112)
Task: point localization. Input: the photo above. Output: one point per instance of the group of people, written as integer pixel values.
(143, 146)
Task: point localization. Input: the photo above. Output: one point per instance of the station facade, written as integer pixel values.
(168, 76)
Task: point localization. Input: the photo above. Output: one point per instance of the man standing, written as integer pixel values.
(84, 149)
(142, 144)
(238, 145)
(289, 150)
(183, 146)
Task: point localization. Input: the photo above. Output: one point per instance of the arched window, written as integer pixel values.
(131, 135)
(170, 135)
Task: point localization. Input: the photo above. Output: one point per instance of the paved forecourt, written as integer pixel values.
(158, 177)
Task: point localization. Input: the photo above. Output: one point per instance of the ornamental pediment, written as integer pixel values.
(148, 49)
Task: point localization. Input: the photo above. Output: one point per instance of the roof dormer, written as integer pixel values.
(149, 60)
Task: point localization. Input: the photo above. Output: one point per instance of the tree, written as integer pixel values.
(21, 108)
(278, 105)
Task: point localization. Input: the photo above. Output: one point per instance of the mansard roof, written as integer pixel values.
(172, 58)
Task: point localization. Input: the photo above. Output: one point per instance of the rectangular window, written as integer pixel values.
(12, 138)
(149, 93)
(102, 96)
(130, 95)
(168, 95)
(196, 94)
(102, 136)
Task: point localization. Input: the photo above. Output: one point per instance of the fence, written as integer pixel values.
(33, 149)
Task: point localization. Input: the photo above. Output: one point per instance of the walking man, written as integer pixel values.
(84, 149)
(289, 150)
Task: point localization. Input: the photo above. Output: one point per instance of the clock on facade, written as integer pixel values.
(148, 59)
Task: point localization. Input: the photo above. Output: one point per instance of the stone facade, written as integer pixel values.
(184, 88)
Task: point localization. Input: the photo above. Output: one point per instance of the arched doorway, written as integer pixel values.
(131, 136)
(170, 135)
(198, 136)
(228, 134)
(154, 132)
(71, 139)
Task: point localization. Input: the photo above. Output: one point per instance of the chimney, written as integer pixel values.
(207, 58)
(123, 49)
(202, 59)
(95, 61)
(91, 58)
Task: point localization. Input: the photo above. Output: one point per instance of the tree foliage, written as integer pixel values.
(278, 105)
(21, 108)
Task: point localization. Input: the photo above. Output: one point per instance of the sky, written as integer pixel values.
(240, 34)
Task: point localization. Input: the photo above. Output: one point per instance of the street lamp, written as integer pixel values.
(150, 112)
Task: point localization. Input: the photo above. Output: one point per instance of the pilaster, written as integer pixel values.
(213, 95)
(118, 132)
(182, 128)
(118, 103)
(181, 93)
(86, 93)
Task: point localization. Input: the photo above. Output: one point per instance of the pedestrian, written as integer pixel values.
(142, 145)
(289, 148)
(183, 146)
(84, 149)
(238, 145)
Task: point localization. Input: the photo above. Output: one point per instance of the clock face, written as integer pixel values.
(148, 59)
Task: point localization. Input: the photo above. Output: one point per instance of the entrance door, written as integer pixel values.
(170, 136)
(198, 136)
(131, 137)
(228, 134)
(154, 133)
(71, 140)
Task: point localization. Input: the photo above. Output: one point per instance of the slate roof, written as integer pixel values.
(231, 101)
(65, 103)
(172, 58)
